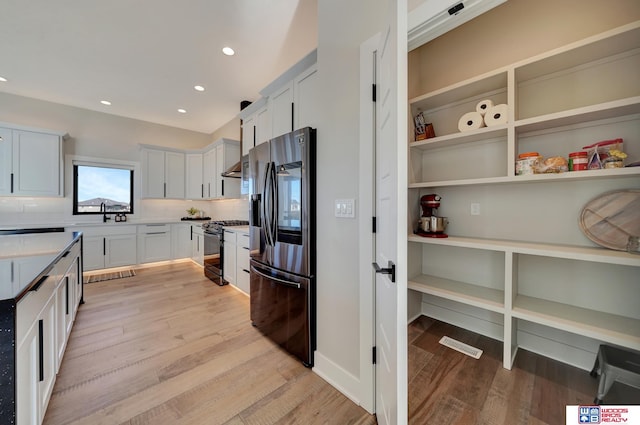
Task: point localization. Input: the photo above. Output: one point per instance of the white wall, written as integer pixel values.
(100, 135)
(342, 28)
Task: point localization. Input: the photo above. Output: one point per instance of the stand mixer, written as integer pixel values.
(430, 225)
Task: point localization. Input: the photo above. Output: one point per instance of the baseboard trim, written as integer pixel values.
(337, 377)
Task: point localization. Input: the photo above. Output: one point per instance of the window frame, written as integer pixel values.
(74, 172)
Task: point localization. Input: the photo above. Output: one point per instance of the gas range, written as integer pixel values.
(217, 226)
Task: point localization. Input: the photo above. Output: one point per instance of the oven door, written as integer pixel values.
(282, 309)
(213, 257)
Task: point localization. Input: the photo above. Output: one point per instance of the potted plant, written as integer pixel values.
(192, 211)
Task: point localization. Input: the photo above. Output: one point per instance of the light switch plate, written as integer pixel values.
(345, 208)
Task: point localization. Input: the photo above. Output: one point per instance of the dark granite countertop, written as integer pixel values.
(27, 257)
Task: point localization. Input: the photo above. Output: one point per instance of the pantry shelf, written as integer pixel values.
(576, 175)
(472, 136)
(544, 281)
(474, 295)
(614, 109)
(569, 252)
(607, 327)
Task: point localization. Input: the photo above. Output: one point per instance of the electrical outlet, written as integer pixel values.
(475, 208)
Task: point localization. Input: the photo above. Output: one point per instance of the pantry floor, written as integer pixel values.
(448, 387)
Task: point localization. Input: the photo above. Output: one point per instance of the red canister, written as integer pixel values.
(578, 161)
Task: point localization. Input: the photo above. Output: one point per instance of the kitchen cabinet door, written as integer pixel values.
(153, 173)
(198, 245)
(210, 164)
(242, 262)
(155, 243)
(174, 175)
(248, 134)
(194, 176)
(93, 252)
(31, 163)
(27, 378)
(120, 250)
(263, 125)
(180, 241)
(6, 158)
(229, 257)
(163, 174)
(281, 110)
(49, 358)
(306, 110)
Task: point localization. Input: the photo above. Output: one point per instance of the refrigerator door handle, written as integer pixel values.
(265, 206)
(282, 281)
(274, 204)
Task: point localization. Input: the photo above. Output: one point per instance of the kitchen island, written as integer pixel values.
(40, 290)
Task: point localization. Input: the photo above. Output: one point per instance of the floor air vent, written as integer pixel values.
(461, 347)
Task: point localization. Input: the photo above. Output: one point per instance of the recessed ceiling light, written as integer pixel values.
(198, 88)
(182, 111)
(228, 51)
(4, 80)
(105, 102)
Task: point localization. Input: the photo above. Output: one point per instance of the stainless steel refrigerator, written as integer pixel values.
(282, 232)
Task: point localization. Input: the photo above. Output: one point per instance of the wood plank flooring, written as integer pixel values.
(447, 387)
(169, 347)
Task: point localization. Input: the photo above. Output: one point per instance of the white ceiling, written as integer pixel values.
(145, 56)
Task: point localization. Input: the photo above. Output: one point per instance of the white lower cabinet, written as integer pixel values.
(229, 257)
(242, 262)
(197, 244)
(44, 317)
(154, 242)
(109, 246)
(180, 241)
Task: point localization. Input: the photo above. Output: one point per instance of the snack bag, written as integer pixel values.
(598, 153)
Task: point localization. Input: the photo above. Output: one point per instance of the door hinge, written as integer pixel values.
(373, 92)
(373, 355)
(373, 224)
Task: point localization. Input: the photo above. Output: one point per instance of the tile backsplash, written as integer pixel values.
(15, 211)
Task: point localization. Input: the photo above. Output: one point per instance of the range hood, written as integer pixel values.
(235, 171)
(435, 17)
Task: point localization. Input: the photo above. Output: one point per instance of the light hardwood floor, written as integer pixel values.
(169, 347)
(447, 387)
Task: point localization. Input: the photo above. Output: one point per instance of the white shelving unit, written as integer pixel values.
(525, 260)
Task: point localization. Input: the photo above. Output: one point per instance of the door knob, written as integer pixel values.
(389, 270)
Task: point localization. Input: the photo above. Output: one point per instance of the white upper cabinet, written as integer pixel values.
(220, 156)
(294, 105)
(194, 176)
(31, 163)
(305, 91)
(163, 174)
(281, 110)
(210, 164)
(256, 125)
(248, 134)
(288, 103)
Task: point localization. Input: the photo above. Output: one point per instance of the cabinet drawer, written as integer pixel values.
(62, 266)
(243, 258)
(153, 228)
(243, 240)
(30, 306)
(230, 236)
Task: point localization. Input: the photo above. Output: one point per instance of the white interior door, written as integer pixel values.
(390, 193)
